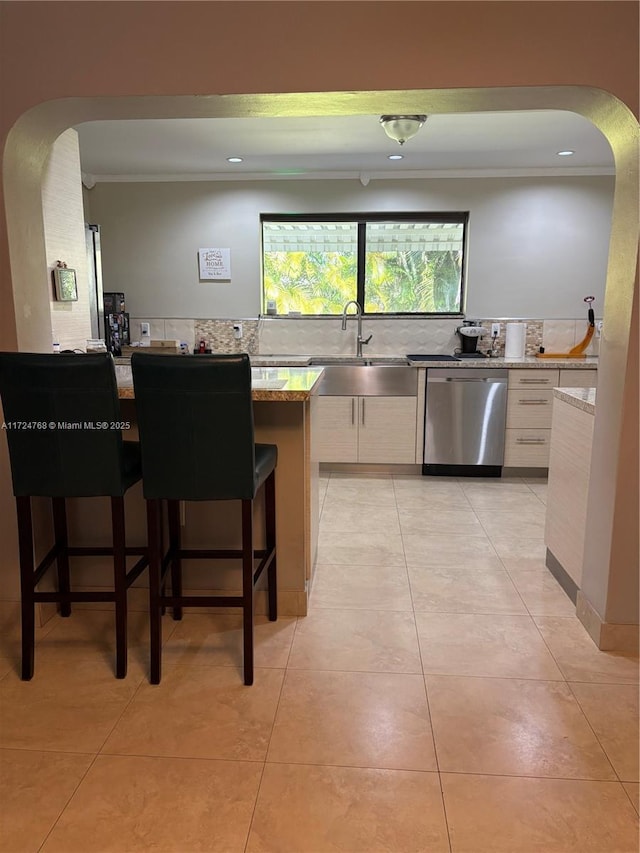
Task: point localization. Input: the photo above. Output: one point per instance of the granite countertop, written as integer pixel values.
(283, 384)
(581, 398)
(529, 362)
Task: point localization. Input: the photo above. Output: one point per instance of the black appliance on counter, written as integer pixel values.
(116, 322)
(432, 357)
(470, 333)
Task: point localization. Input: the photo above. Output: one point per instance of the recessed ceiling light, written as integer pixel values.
(565, 153)
(234, 159)
(396, 157)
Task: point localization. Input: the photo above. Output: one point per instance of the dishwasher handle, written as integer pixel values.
(466, 379)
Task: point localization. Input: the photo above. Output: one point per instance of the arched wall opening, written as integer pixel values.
(611, 546)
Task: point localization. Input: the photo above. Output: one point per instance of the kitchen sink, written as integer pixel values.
(365, 379)
(323, 361)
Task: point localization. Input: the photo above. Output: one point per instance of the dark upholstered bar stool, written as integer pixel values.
(195, 420)
(62, 415)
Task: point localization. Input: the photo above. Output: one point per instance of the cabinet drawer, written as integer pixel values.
(578, 378)
(527, 448)
(537, 378)
(529, 409)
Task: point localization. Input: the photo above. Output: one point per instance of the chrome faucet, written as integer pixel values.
(359, 340)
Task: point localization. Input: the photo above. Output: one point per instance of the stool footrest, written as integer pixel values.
(199, 553)
(74, 596)
(103, 551)
(201, 600)
(204, 553)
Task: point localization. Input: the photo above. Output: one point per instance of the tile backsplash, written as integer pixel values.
(324, 336)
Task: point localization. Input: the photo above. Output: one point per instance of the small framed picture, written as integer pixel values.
(66, 285)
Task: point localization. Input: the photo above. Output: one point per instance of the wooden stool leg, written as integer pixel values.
(154, 508)
(119, 583)
(25, 544)
(62, 560)
(270, 513)
(247, 589)
(173, 512)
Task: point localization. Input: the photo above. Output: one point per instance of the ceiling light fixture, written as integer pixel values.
(396, 157)
(565, 153)
(402, 128)
(234, 159)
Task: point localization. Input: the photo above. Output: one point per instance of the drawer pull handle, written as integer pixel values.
(531, 440)
(533, 402)
(363, 411)
(353, 412)
(523, 381)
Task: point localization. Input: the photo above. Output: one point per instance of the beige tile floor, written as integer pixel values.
(440, 696)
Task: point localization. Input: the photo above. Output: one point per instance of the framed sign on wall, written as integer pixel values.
(66, 284)
(215, 264)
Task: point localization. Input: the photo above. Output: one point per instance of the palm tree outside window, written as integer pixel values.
(389, 263)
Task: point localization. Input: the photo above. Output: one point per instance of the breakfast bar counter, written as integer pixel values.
(283, 403)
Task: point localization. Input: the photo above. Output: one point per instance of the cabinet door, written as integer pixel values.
(387, 429)
(335, 429)
(578, 378)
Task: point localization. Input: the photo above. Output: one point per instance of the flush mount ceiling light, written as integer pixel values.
(402, 128)
(234, 159)
(395, 157)
(565, 153)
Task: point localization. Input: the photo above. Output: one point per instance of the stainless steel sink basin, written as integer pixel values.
(368, 380)
(323, 361)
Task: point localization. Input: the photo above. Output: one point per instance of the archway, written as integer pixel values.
(613, 485)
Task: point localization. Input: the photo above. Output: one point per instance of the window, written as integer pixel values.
(390, 263)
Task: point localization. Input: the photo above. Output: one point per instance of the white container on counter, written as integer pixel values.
(515, 339)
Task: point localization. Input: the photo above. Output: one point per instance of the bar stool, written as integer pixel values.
(62, 422)
(195, 421)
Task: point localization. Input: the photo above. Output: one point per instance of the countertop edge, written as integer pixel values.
(579, 398)
(310, 378)
(528, 362)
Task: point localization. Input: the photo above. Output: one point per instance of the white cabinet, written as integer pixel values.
(578, 378)
(366, 429)
(335, 427)
(387, 429)
(529, 408)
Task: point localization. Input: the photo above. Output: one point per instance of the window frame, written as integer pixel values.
(361, 220)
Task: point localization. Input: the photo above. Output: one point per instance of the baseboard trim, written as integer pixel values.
(607, 636)
(368, 468)
(562, 576)
(543, 473)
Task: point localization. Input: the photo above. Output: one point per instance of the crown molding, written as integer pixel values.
(584, 171)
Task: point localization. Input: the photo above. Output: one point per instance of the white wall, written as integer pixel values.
(537, 246)
(65, 241)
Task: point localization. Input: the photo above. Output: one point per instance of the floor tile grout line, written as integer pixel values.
(255, 803)
(426, 691)
(629, 796)
(533, 776)
(273, 725)
(68, 801)
(595, 734)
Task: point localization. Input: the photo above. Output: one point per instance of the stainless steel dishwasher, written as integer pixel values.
(465, 418)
